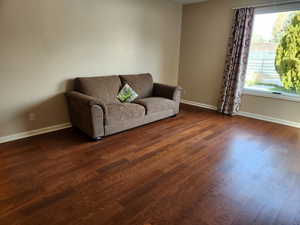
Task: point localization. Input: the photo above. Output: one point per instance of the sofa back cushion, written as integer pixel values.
(105, 88)
(141, 83)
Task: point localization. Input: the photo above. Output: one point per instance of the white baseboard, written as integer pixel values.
(205, 106)
(269, 119)
(34, 132)
(201, 105)
(247, 114)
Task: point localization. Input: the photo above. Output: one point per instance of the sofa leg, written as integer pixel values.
(174, 116)
(97, 138)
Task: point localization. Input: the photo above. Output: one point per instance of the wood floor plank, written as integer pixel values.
(199, 168)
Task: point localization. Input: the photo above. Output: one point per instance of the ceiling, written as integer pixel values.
(190, 1)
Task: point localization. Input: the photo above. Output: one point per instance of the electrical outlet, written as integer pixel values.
(31, 116)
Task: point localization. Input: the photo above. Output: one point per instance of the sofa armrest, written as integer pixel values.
(85, 99)
(87, 113)
(167, 91)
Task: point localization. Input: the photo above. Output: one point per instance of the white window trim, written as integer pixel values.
(263, 3)
(291, 6)
(269, 94)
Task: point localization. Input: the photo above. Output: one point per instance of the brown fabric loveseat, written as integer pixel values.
(95, 109)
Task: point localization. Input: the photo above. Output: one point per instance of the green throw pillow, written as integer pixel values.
(127, 94)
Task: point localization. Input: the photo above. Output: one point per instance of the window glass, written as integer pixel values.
(274, 58)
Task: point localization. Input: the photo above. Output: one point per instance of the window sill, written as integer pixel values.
(267, 94)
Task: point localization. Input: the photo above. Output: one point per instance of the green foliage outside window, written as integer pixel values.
(287, 62)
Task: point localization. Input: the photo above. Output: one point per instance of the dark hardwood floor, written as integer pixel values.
(200, 168)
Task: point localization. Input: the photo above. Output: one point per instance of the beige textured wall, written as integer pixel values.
(205, 32)
(45, 43)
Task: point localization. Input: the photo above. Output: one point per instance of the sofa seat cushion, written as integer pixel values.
(122, 112)
(156, 104)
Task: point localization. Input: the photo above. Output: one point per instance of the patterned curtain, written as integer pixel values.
(236, 61)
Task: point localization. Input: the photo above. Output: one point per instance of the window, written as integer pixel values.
(274, 58)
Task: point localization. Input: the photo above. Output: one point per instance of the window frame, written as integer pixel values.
(270, 94)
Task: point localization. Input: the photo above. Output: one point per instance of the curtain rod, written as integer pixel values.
(262, 5)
